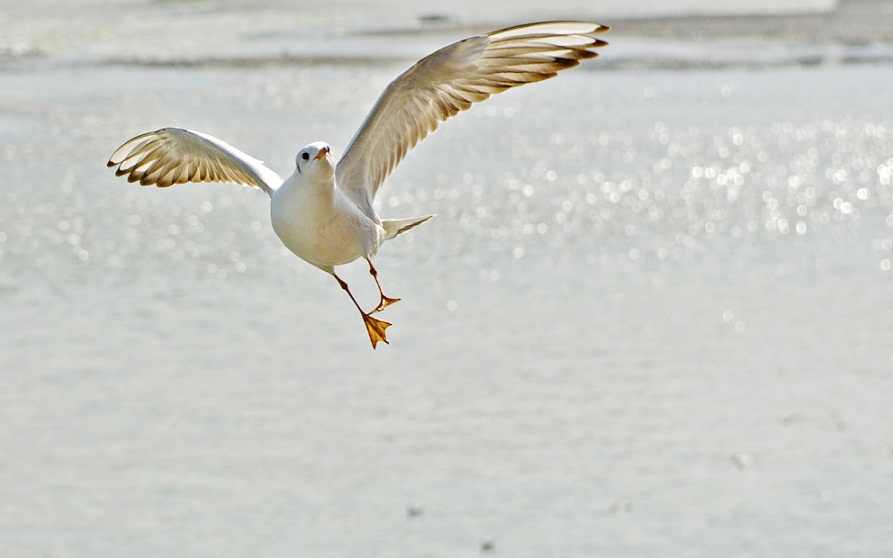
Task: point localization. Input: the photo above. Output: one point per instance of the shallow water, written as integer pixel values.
(651, 318)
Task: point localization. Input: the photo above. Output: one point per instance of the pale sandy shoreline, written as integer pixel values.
(853, 22)
(850, 33)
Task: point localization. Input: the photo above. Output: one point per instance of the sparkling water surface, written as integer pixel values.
(652, 318)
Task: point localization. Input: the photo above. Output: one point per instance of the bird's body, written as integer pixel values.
(324, 212)
(323, 229)
(316, 221)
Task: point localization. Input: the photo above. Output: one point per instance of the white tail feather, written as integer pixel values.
(393, 227)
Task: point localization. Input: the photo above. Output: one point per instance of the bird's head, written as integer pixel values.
(316, 162)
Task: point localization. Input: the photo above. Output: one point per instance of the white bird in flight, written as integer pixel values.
(324, 212)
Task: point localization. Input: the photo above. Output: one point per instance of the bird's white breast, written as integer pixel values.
(321, 226)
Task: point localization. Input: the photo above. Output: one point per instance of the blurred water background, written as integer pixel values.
(652, 317)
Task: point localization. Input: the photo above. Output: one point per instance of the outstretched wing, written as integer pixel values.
(449, 81)
(176, 156)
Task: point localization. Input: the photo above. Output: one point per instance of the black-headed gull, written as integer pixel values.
(324, 212)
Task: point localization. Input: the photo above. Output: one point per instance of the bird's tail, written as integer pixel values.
(393, 227)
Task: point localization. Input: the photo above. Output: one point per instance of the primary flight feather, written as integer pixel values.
(324, 212)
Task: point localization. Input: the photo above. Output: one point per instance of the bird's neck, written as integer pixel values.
(302, 186)
(322, 186)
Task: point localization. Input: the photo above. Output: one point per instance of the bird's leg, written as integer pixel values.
(385, 300)
(374, 326)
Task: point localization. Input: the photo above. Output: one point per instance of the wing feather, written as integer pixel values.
(177, 156)
(449, 81)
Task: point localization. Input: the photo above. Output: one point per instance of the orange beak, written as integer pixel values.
(323, 152)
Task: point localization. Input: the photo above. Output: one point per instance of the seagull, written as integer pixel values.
(323, 212)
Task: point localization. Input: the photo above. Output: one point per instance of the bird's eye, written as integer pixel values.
(305, 156)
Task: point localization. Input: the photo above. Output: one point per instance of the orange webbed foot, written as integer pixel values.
(376, 329)
(385, 302)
